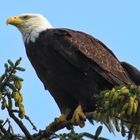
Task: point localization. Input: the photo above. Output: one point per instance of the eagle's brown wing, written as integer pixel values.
(74, 46)
(133, 72)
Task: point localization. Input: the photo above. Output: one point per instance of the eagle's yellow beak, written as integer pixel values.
(14, 20)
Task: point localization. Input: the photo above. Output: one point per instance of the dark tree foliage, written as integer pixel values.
(118, 109)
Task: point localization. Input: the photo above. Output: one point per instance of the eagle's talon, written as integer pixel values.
(60, 119)
(79, 117)
(56, 121)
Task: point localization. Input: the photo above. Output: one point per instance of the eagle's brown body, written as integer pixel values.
(74, 67)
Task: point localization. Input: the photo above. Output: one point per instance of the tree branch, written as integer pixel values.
(20, 124)
(27, 118)
(48, 132)
(4, 131)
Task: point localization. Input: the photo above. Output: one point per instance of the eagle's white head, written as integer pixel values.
(30, 25)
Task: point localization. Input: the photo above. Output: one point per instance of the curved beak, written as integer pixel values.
(14, 20)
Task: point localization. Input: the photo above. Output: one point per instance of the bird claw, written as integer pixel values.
(60, 119)
(56, 121)
(79, 117)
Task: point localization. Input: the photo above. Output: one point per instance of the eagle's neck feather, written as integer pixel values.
(30, 32)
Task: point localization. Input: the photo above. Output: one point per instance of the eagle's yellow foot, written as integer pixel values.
(60, 119)
(78, 117)
(56, 121)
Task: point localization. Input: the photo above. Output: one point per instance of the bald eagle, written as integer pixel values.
(73, 66)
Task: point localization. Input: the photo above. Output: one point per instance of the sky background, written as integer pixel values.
(116, 23)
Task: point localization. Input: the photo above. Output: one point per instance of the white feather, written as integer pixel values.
(33, 26)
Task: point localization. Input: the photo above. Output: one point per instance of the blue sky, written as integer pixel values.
(116, 23)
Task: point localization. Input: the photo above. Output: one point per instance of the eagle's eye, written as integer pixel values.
(25, 17)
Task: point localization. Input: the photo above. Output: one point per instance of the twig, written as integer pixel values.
(10, 128)
(5, 122)
(47, 133)
(4, 131)
(20, 124)
(34, 127)
(27, 118)
(8, 76)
